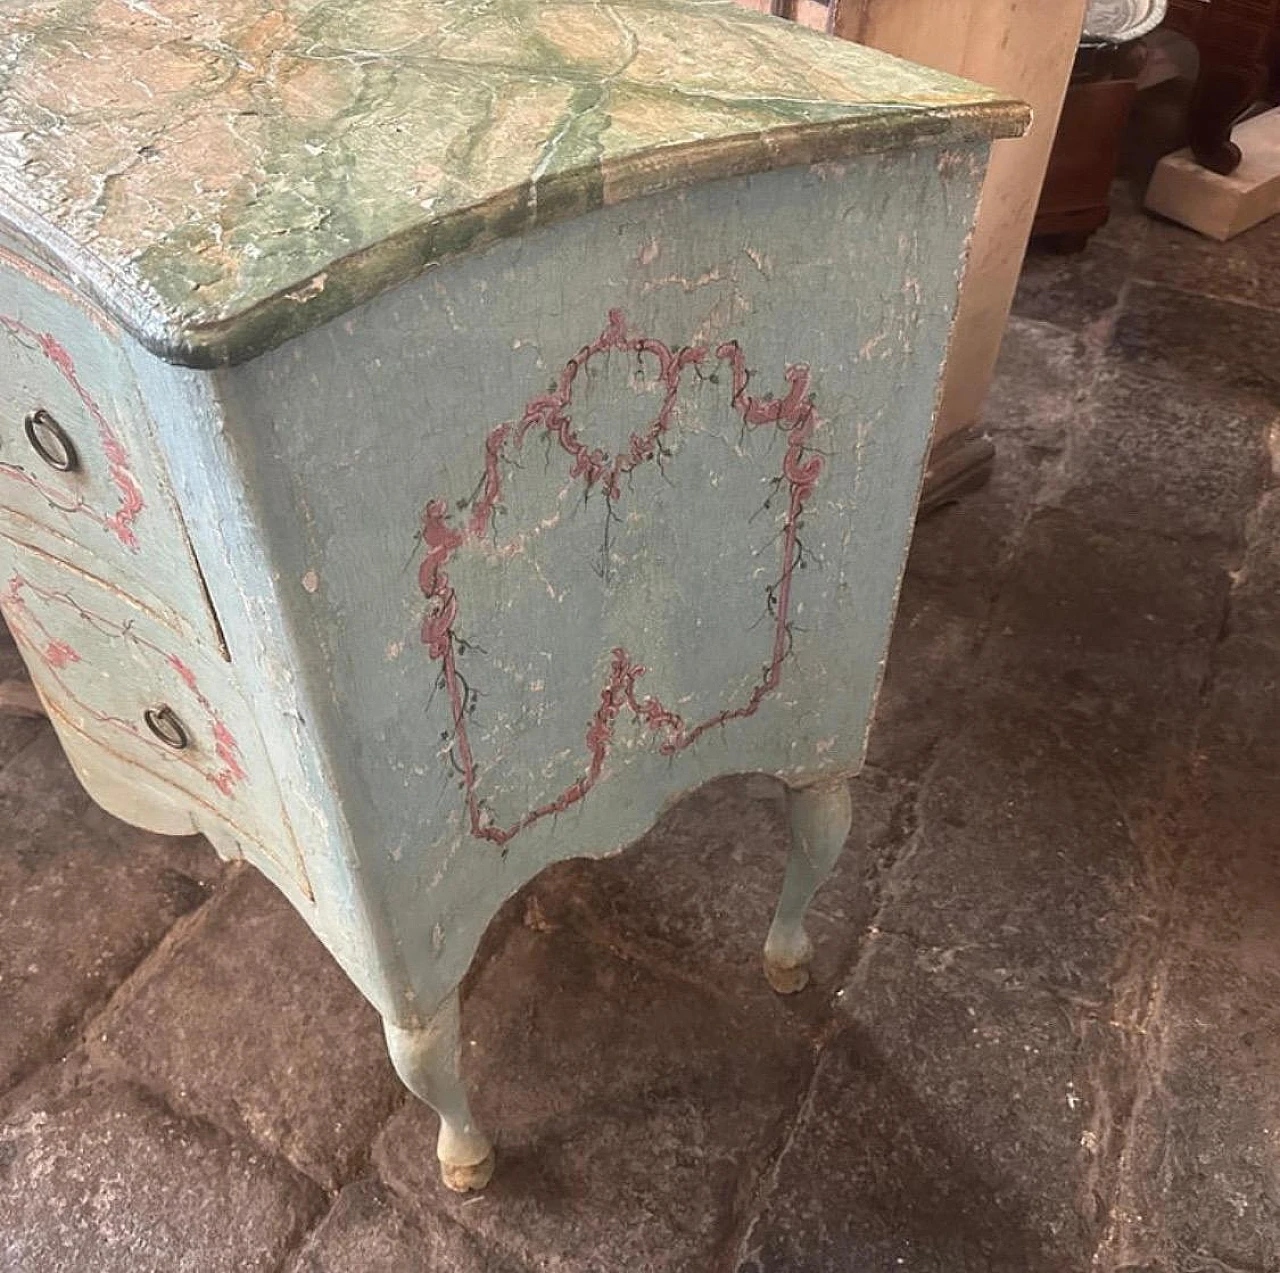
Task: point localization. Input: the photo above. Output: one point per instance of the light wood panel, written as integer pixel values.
(1024, 48)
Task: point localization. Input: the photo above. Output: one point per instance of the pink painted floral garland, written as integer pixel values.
(793, 415)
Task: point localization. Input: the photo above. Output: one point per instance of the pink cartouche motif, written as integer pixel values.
(550, 414)
(120, 523)
(58, 655)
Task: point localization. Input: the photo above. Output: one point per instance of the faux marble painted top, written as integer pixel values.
(223, 174)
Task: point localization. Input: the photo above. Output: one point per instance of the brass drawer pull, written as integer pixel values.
(50, 441)
(163, 722)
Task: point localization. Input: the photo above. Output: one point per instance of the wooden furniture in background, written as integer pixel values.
(1238, 42)
(1075, 199)
(1228, 177)
(1216, 205)
(19, 698)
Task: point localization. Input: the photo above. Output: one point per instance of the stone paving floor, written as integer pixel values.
(1045, 1031)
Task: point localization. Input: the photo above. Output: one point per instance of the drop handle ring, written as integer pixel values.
(50, 441)
(163, 722)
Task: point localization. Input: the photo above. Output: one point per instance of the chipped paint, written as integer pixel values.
(684, 284)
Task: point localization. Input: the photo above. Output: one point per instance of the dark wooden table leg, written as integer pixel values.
(1234, 37)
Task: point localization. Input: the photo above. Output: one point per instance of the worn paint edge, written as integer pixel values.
(190, 340)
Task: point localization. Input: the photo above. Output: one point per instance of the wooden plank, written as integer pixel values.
(1025, 49)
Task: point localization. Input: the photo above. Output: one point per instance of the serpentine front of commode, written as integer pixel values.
(436, 437)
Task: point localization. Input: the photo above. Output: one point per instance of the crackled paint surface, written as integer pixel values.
(226, 174)
(514, 553)
(564, 528)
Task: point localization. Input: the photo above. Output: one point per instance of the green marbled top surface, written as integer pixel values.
(225, 173)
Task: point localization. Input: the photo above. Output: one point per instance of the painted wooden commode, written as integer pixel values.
(435, 434)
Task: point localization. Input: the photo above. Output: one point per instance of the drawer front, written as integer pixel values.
(78, 473)
(164, 718)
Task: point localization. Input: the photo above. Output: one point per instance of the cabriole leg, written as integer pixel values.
(820, 818)
(427, 1061)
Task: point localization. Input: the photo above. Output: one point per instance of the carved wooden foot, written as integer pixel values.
(820, 818)
(1222, 93)
(19, 698)
(1234, 38)
(427, 1061)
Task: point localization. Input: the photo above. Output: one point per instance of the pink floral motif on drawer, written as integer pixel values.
(59, 655)
(120, 522)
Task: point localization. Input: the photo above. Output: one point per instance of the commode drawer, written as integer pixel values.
(77, 474)
(175, 746)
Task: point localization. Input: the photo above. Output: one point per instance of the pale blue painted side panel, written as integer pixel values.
(745, 555)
